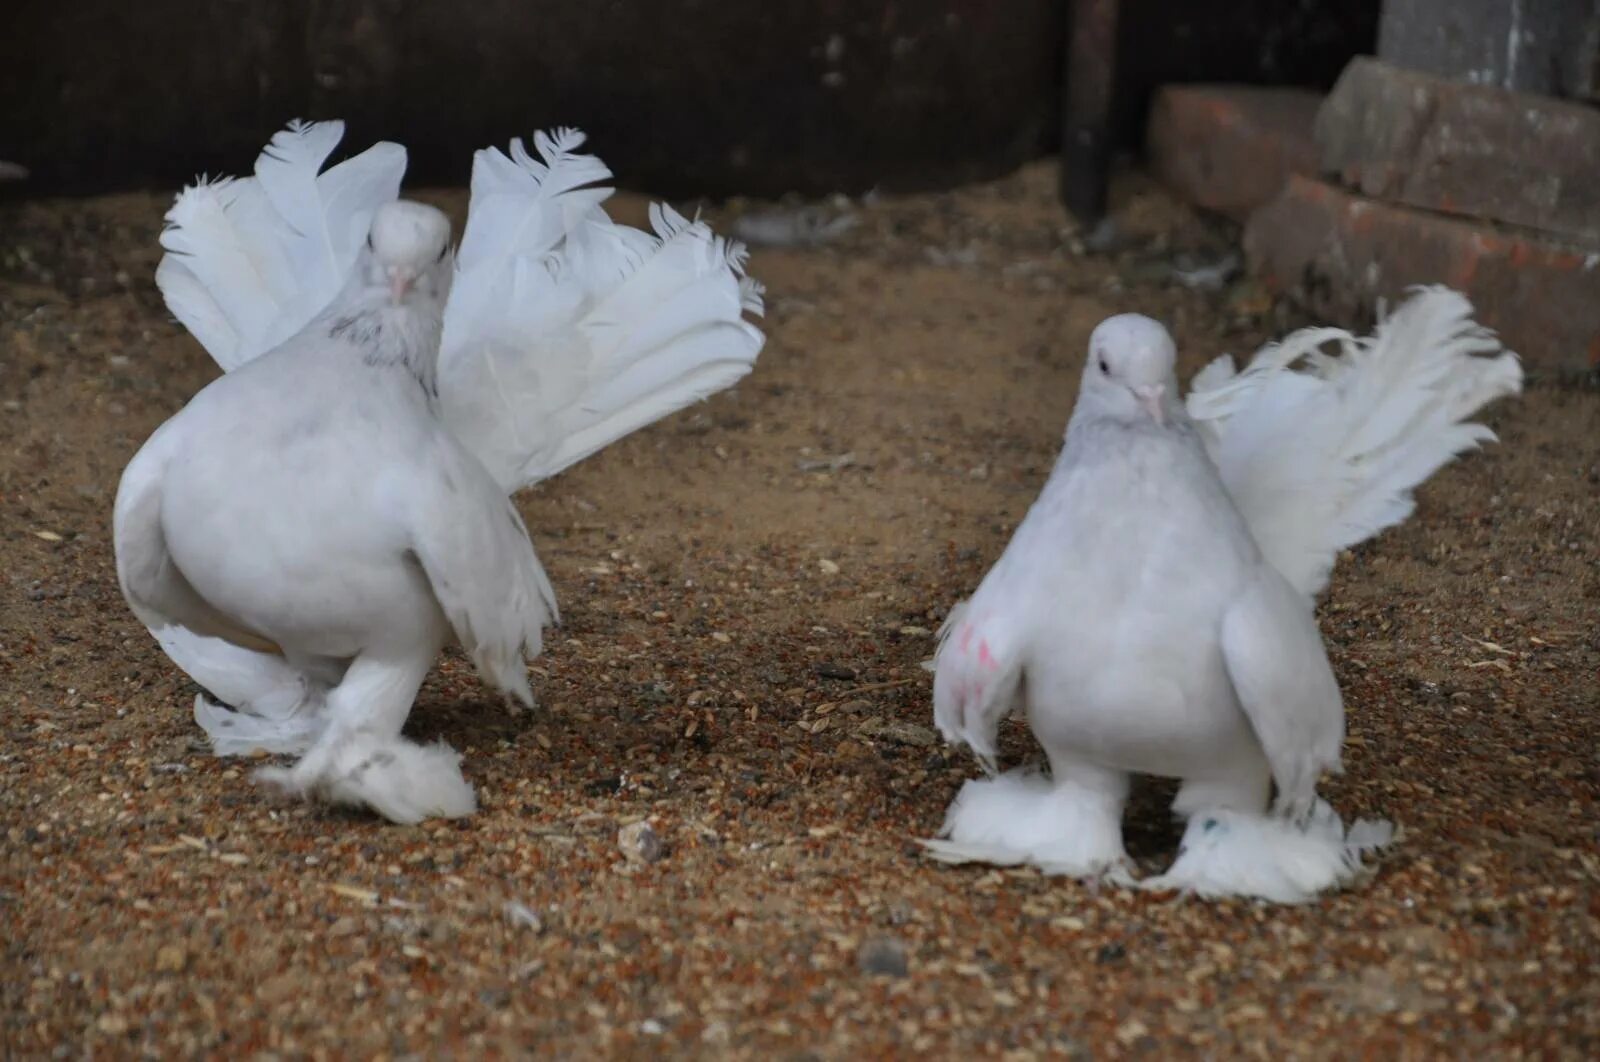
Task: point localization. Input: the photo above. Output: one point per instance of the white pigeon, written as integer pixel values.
(1153, 613)
(315, 525)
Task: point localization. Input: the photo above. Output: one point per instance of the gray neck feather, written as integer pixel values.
(394, 338)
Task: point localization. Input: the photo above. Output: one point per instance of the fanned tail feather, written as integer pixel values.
(221, 277)
(251, 260)
(566, 331)
(287, 170)
(1324, 457)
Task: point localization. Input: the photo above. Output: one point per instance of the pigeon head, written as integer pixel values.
(1130, 373)
(408, 253)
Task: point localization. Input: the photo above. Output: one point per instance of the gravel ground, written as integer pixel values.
(703, 842)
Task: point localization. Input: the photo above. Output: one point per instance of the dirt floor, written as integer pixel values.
(748, 589)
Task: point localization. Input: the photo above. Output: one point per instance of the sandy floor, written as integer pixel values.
(748, 588)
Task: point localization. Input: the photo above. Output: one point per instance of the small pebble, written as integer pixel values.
(520, 914)
(640, 843)
(883, 957)
(171, 959)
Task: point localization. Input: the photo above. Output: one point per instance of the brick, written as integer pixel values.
(1471, 150)
(1229, 148)
(1339, 253)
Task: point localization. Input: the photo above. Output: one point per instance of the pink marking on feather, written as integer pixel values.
(966, 637)
(985, 657)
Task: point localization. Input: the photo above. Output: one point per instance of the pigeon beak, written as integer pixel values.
(1151, 398)
(400, 281)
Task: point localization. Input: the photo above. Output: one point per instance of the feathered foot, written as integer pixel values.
(234, 733)
(1270, 857)
(399, 779)
(1024, 817)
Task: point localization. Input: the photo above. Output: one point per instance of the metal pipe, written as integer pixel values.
(1089, 84)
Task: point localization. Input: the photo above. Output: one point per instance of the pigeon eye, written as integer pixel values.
(369, 242)
(1105, 370)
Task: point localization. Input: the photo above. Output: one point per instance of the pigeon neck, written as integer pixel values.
(390, 338)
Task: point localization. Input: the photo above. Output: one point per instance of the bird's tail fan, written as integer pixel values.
(566, 331)
(1325, 457)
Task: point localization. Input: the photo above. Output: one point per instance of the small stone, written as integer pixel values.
(171, 959)
(520, 914)
(897, 732)
(828, 567)
(112, 1024)
(883, 957)
(836, 671)
(344, 927)
(900, 913)
(640, 843)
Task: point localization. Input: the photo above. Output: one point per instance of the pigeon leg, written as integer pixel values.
(361, 759)
(236, 733)
(1234, 846)
(1069, 824)
(1087, 818)
(1245, 785)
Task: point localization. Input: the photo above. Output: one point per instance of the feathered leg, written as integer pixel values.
(268, 703)
(1069, 823)
(1235, 846)
(361, 759)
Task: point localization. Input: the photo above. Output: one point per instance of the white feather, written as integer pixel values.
(565, 331)
(251, 260)
(1024, 817)
(1322, 458)
(1229, 853)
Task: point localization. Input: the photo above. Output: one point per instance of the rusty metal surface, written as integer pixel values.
(1087, 107)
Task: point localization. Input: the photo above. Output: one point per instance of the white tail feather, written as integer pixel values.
(565, 331)
(1321, 459)
(251, 260)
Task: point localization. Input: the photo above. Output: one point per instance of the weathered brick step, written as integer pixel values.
(1471, 150)
(1339, 252)
(1229, 148)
